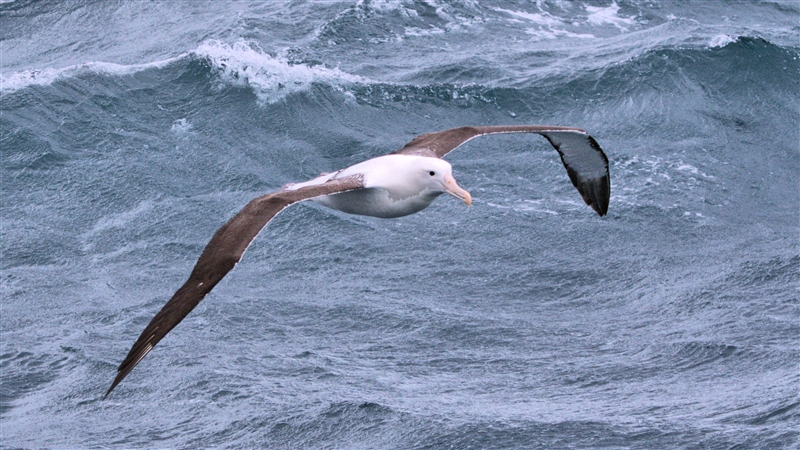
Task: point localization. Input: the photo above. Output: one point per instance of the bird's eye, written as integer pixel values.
(433, 173)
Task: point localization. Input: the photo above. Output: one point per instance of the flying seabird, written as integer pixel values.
(394, 185)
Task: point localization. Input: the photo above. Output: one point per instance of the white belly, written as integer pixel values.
(377, 202)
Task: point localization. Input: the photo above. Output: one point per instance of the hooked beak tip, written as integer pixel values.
(452, 188)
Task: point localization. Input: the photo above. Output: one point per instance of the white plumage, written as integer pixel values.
(395, 185)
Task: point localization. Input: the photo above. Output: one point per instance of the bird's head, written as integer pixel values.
(437, 175)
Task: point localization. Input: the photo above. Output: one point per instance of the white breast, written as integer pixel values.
(378, 202)
(391, 190)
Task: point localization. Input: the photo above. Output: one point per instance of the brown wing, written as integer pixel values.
(220, 256)
(583, 158)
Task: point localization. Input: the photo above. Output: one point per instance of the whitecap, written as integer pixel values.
(272, 78)
(46, 76)
(419, 32)
(181, 126)
(541, 19)
(608, 15)
(389, 5)
(721, 40)
(549, 26)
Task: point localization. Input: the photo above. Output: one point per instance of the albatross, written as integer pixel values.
(398, 184)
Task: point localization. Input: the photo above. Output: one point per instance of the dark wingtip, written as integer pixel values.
(120, 376)
(139, 351)
(597, 194)
(599, 210)
(602, 195)
(113, 385)
(600, 188)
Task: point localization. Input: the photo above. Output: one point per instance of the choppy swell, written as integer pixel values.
(671, 322)
(274, 77)
(682, 91)
(46, 76)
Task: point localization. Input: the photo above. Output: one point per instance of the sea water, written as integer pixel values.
(130, 132)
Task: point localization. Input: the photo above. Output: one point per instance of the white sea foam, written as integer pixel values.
(541, 19)
(119, 220)
(418, 32)
(389, 5)
(46, 76)
(548, 26)
(555, 33)
(721, 40)
(271, 77)
(181, 126)
(608, 15)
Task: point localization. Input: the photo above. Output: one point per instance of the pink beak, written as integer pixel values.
(452, 188)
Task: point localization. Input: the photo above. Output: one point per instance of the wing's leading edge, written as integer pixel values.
(218, 258)
(583, 158)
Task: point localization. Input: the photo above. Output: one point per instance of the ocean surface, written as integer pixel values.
(131, 131)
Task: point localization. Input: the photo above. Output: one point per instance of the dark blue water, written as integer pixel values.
(130, 132)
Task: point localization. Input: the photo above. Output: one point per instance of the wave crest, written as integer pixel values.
(44, 77)
(272, 78)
